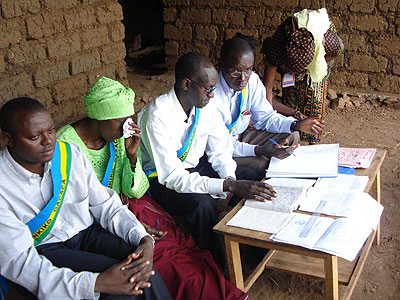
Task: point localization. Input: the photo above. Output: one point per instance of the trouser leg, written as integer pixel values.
(95, 249)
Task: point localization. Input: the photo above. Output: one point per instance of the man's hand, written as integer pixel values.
(116, 280)
(282, 151)
(311, 125)
(155, 233)
(132, 143)
(250, 189)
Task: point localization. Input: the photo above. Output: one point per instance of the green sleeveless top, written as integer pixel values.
(132, 184)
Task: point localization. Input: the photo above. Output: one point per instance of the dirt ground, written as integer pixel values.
(362, 127)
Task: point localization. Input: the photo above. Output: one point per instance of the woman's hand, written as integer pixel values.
(132, 143)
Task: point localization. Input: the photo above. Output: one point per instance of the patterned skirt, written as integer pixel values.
(302, 97)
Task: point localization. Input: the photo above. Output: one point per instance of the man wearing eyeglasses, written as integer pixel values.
(187, 154)
(241, 97)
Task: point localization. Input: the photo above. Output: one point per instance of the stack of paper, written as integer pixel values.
(307, 162)
(356, 157)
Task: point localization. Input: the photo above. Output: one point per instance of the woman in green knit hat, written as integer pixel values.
(110, 140)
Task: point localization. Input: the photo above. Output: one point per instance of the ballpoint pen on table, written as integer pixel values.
(280, 146)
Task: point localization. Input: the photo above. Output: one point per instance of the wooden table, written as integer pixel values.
(299, 260)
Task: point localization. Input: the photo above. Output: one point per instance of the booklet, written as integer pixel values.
(307, 162)
(356, 157)
(269, 216)
(342, 237)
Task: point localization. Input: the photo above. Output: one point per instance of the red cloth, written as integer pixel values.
(188, 272)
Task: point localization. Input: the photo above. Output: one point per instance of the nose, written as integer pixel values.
(243, 76)
(211, 95)
(46, 139)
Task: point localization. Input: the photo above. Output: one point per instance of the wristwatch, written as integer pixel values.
(293, 126)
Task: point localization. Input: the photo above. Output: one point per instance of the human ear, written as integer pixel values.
(5, 139)
(185, 84)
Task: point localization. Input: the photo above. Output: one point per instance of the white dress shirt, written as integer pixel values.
(166, 127)
(24, 194)
(255, 107)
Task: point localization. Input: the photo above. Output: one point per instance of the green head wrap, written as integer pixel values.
(108, 99)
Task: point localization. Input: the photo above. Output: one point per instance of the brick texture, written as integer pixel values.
(54, 50)
(370, 31)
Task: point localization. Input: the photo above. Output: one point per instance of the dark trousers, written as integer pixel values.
(200, 211)
(95, 249)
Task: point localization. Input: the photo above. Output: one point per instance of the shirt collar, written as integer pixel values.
(225, 87)
(177, 107)
(20, 170)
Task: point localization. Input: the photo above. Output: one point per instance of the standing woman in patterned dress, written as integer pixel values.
(302, 50)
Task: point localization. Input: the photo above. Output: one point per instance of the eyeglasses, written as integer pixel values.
(208, 91)
(235, 73)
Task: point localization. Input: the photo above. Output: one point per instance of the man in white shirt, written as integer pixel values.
(187, 153)
(241, 97)
(52, 213)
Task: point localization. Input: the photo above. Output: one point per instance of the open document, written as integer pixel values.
(342, 237)
(307, 162)
(356, 157)
(269, 216)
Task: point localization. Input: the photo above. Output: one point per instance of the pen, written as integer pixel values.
(159, 227)
(280, 146)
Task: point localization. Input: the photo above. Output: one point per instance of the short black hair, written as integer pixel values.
(192, 65)
(14, 106)
(239, 43)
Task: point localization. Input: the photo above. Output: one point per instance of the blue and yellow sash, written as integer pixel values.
(182, 152)
(234, 123)
(41, 225)
(110, 171)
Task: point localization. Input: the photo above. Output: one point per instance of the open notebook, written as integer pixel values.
(307, 162)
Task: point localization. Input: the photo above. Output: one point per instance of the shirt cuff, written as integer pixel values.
(87, 284)
(249, 150)
(215, 187)
(287, 123)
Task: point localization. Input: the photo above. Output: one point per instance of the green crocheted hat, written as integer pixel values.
(108, 99)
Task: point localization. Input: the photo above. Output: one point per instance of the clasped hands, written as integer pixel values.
(130, 276)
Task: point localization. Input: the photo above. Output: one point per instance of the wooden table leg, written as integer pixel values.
(234, 263)
(378, 198)
(331, 277)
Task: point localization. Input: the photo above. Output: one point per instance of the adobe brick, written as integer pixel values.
(205, 33)
(236, 17)
(350, 79)
(255, 17)
(207, 2)
(396, 66)
(11, 9)
(388, 5)
(172, 32)
(117, 31)
(387, 47)
(357, 42)
(219, 16)
(64, 45)
(85, 63)
(175, 2)
(107, 71)
(17, 86)
(112, 53)
(366, 63)
(10, 33)
(171, 48)
(77, 18)
(362, 6)
(280, 3)
(94, 37)
(2, 63)
(187, 33)
(170, 14)
(49, 75)
(110, 12)
(385, 83)
(25, 54)
(62, 89)
(170, 61)
(52, 5)
(46, 24)
(43, 95)
(120, 71)
(368, 23)
(196, 16)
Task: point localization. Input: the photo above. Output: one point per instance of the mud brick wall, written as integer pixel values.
(55, 50)
(370, 31)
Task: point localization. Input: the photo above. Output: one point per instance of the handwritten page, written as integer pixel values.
(259, 219)
(356, 157)
(308, 162)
